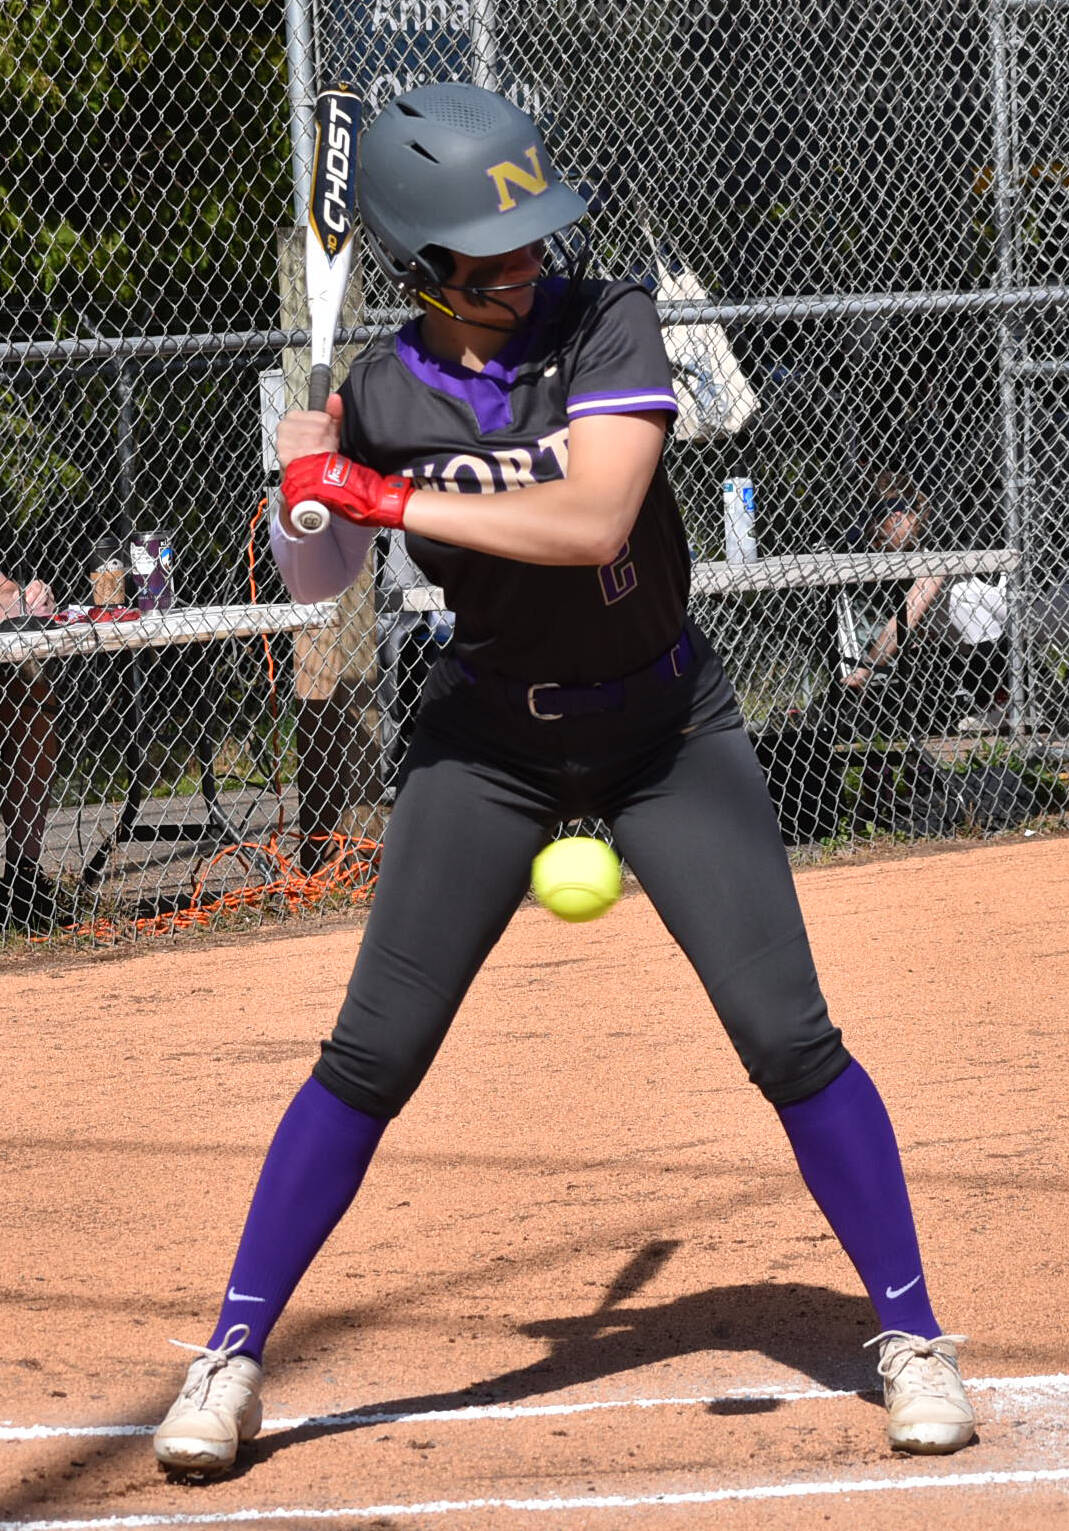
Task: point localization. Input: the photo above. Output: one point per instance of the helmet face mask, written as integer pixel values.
(454, 169)
(557, 256)
(484, 290)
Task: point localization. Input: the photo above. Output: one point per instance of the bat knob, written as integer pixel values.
(310, 517)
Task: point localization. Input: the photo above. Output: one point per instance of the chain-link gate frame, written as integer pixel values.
(854, 220)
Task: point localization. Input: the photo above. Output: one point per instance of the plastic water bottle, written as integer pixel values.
(740, 538)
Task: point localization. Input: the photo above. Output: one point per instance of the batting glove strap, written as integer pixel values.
(348, 489)
(393, 499)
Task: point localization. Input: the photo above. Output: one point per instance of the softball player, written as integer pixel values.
(575, 686)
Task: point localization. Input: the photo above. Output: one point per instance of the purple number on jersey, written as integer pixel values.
(619, 577)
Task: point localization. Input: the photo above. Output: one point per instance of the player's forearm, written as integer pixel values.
(558, 523)
(319, 568)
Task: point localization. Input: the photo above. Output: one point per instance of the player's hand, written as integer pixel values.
(348, 489)
(303, 432)
(858, 678)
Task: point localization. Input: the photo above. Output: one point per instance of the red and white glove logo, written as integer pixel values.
(336, 470)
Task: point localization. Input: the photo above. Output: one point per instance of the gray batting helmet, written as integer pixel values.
(458, 167)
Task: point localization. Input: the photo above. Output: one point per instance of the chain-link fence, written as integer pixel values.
(854, 218)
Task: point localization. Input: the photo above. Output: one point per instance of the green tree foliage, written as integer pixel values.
(143, 176)
(145, 166)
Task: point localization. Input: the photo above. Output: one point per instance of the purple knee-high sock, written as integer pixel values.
(313, 1169)
(845, 1146)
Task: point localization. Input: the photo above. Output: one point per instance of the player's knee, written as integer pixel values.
(776, 1016)
(792, 1067)
(358, 1092)
(363, 1083)
(374, 1063)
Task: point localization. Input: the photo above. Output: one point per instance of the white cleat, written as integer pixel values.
(927, 1410)
(217, 1409)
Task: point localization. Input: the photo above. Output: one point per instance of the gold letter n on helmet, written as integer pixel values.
(533, 180)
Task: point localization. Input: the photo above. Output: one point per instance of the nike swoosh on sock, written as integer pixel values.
(893, 1292)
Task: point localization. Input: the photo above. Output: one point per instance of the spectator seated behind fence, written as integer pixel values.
(28, 899)
(956, 675)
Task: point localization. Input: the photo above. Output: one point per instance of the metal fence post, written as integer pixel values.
(1010, 357)
(126, 448)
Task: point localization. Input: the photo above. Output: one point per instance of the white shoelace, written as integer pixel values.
(938, 1369)
(197, 1385)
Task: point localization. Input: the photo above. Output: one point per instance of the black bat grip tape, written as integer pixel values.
(319, 386)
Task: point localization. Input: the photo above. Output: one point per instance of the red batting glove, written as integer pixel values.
(348, 489)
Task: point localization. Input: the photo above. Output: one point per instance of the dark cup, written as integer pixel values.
(107, 573)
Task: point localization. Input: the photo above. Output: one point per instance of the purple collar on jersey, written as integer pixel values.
(487, 393)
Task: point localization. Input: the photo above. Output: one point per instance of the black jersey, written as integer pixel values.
(598, 352)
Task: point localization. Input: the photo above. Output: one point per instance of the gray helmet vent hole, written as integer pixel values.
(426, 153)
(465, 116)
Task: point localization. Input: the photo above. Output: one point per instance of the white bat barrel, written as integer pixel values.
(328, 253)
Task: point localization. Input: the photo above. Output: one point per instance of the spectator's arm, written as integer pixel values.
(919, 599)
(36, 599)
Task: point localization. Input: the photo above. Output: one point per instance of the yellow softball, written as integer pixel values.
(576, 879)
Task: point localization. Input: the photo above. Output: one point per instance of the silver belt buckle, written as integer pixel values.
(543, 685)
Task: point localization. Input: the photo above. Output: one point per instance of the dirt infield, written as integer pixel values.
(583, 1286)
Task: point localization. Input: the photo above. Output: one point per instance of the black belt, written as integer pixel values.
(549, 701)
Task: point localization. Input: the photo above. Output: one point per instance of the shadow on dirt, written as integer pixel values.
(806, 1328)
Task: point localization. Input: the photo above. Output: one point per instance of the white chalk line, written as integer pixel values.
(1023, 1478)
(1027, 1390)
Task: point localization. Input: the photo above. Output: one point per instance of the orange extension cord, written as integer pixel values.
(350, 871)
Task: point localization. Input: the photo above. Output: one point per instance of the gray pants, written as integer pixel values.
(483, 788)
